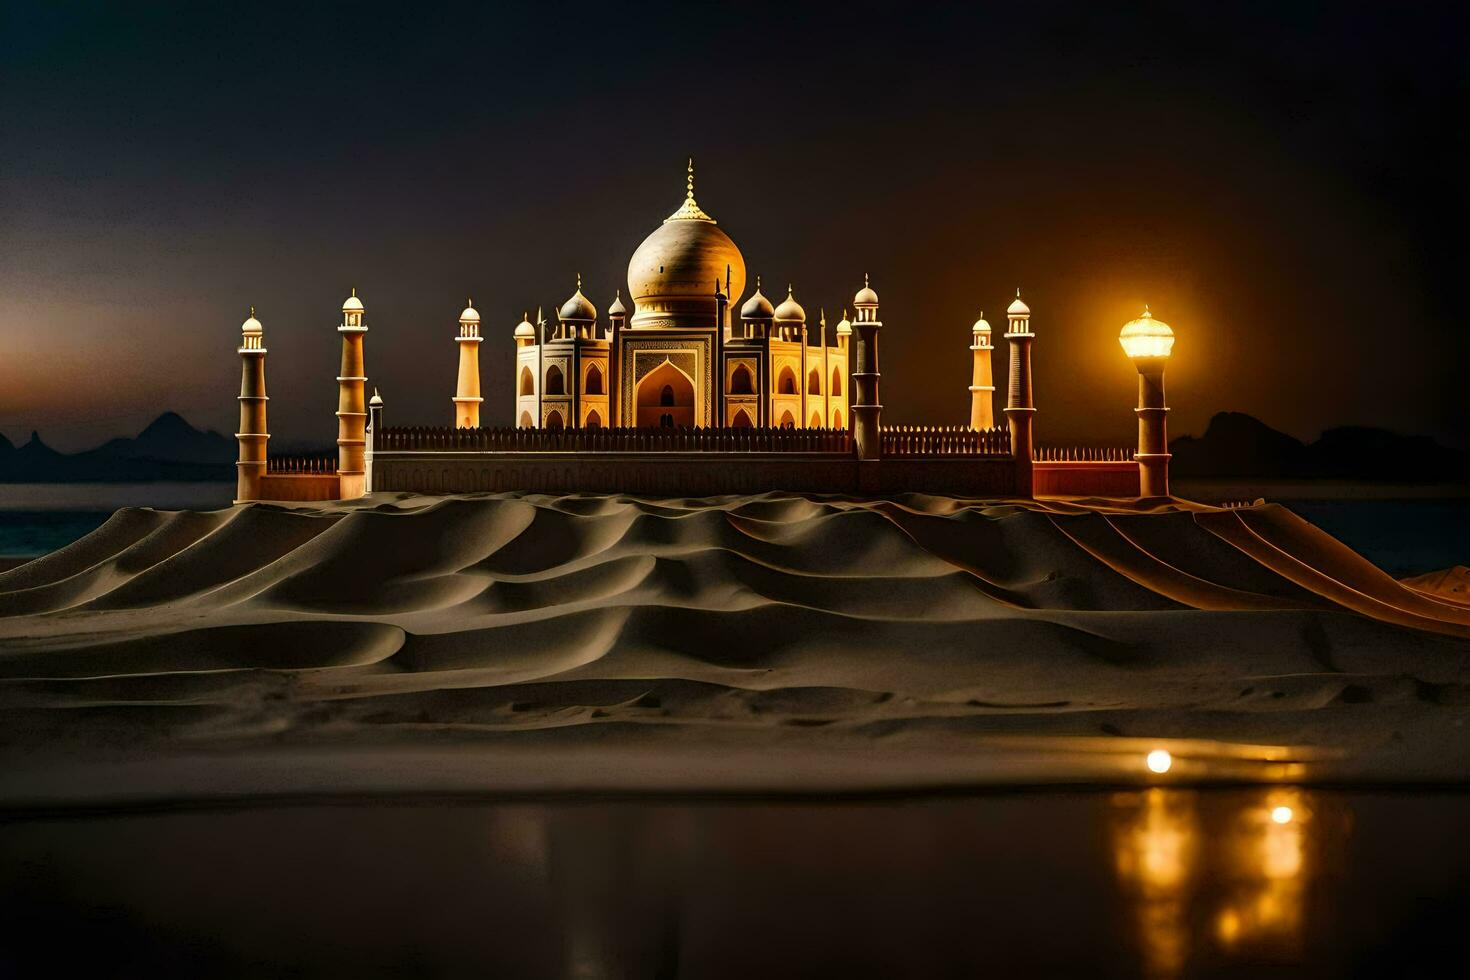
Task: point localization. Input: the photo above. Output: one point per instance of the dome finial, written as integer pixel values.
(689, 191)
(354, 290)
(865, 280)
(252, 311)
(757, 281)
(579, 282)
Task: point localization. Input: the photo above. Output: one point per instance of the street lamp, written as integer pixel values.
(1147, 342)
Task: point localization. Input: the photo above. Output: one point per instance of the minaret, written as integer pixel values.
(866, 407)
(1148, 342)
(374, 436)
(351, 403)
(253, 434)
(467, 392)
(982, 382)
(1019, 407)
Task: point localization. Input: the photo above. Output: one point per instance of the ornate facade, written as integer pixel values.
(690, 396)
(683, 359)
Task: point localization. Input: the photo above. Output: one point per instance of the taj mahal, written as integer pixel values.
(694, 395)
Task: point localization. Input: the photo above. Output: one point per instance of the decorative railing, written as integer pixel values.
(948, 440)
(613, 440)
(301, 465)
(1082, 454)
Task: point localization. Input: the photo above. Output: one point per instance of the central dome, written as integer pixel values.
(672, 275)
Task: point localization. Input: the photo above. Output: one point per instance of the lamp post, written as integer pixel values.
(1147, 342)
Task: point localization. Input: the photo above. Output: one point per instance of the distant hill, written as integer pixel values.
(168, 449)
(1238, 445)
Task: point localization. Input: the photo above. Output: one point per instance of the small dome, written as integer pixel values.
(251, 325)
(1018, 307)
(352, 303)
(865, 296)
(617, 308)
(844, 326)
(470, 314)
(757, 307)
(790, 310)
(980, 325)
(578, 307)
(376, 400)
(1146, 337)
(525, 328)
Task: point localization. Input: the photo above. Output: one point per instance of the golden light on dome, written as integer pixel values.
(1146, 337)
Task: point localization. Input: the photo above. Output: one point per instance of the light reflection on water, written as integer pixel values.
(1220, 882)
(1159, 882)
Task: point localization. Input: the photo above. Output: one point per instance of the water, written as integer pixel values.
(38, 518)
(1159, 883)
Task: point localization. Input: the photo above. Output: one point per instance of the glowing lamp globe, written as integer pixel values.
(1146, 337)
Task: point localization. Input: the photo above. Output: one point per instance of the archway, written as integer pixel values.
(814, 382)
(555, 383)
(553, 419)
(594, 380)
(741, 382)
(526, 420)
(742, 420)
(528, 381)
(787, 422)
(836, 418)
(786, 385)
(594, 421)
(665, 396)
(836, 382)
(816, 422)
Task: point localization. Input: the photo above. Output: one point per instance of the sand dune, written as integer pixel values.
(769, 628)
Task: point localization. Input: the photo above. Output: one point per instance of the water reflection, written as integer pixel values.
(1160, 882)
(1218, 877)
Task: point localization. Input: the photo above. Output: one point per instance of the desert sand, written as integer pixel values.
(505, 644)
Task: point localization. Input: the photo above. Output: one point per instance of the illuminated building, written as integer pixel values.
(699, 390)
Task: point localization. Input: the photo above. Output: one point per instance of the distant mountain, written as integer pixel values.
(1238, 445)
(168, 449)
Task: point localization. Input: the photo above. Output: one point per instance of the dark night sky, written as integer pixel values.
(1285, 184)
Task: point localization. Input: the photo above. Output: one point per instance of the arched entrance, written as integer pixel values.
(665, 397)
(594, 421)
(553, 419)
(816, 422)
(836, 418)
(814, 382)
(836, 381)
(742, 420)
(787, 422)
(528, 382)
(594, 380)
(555, 384)
(741, 382)
(786, 385)
(526, 420)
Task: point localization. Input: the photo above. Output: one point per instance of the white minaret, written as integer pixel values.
(253, 433)
(467, 392)
(982, 381)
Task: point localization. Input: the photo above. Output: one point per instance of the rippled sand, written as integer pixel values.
(503, 642)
